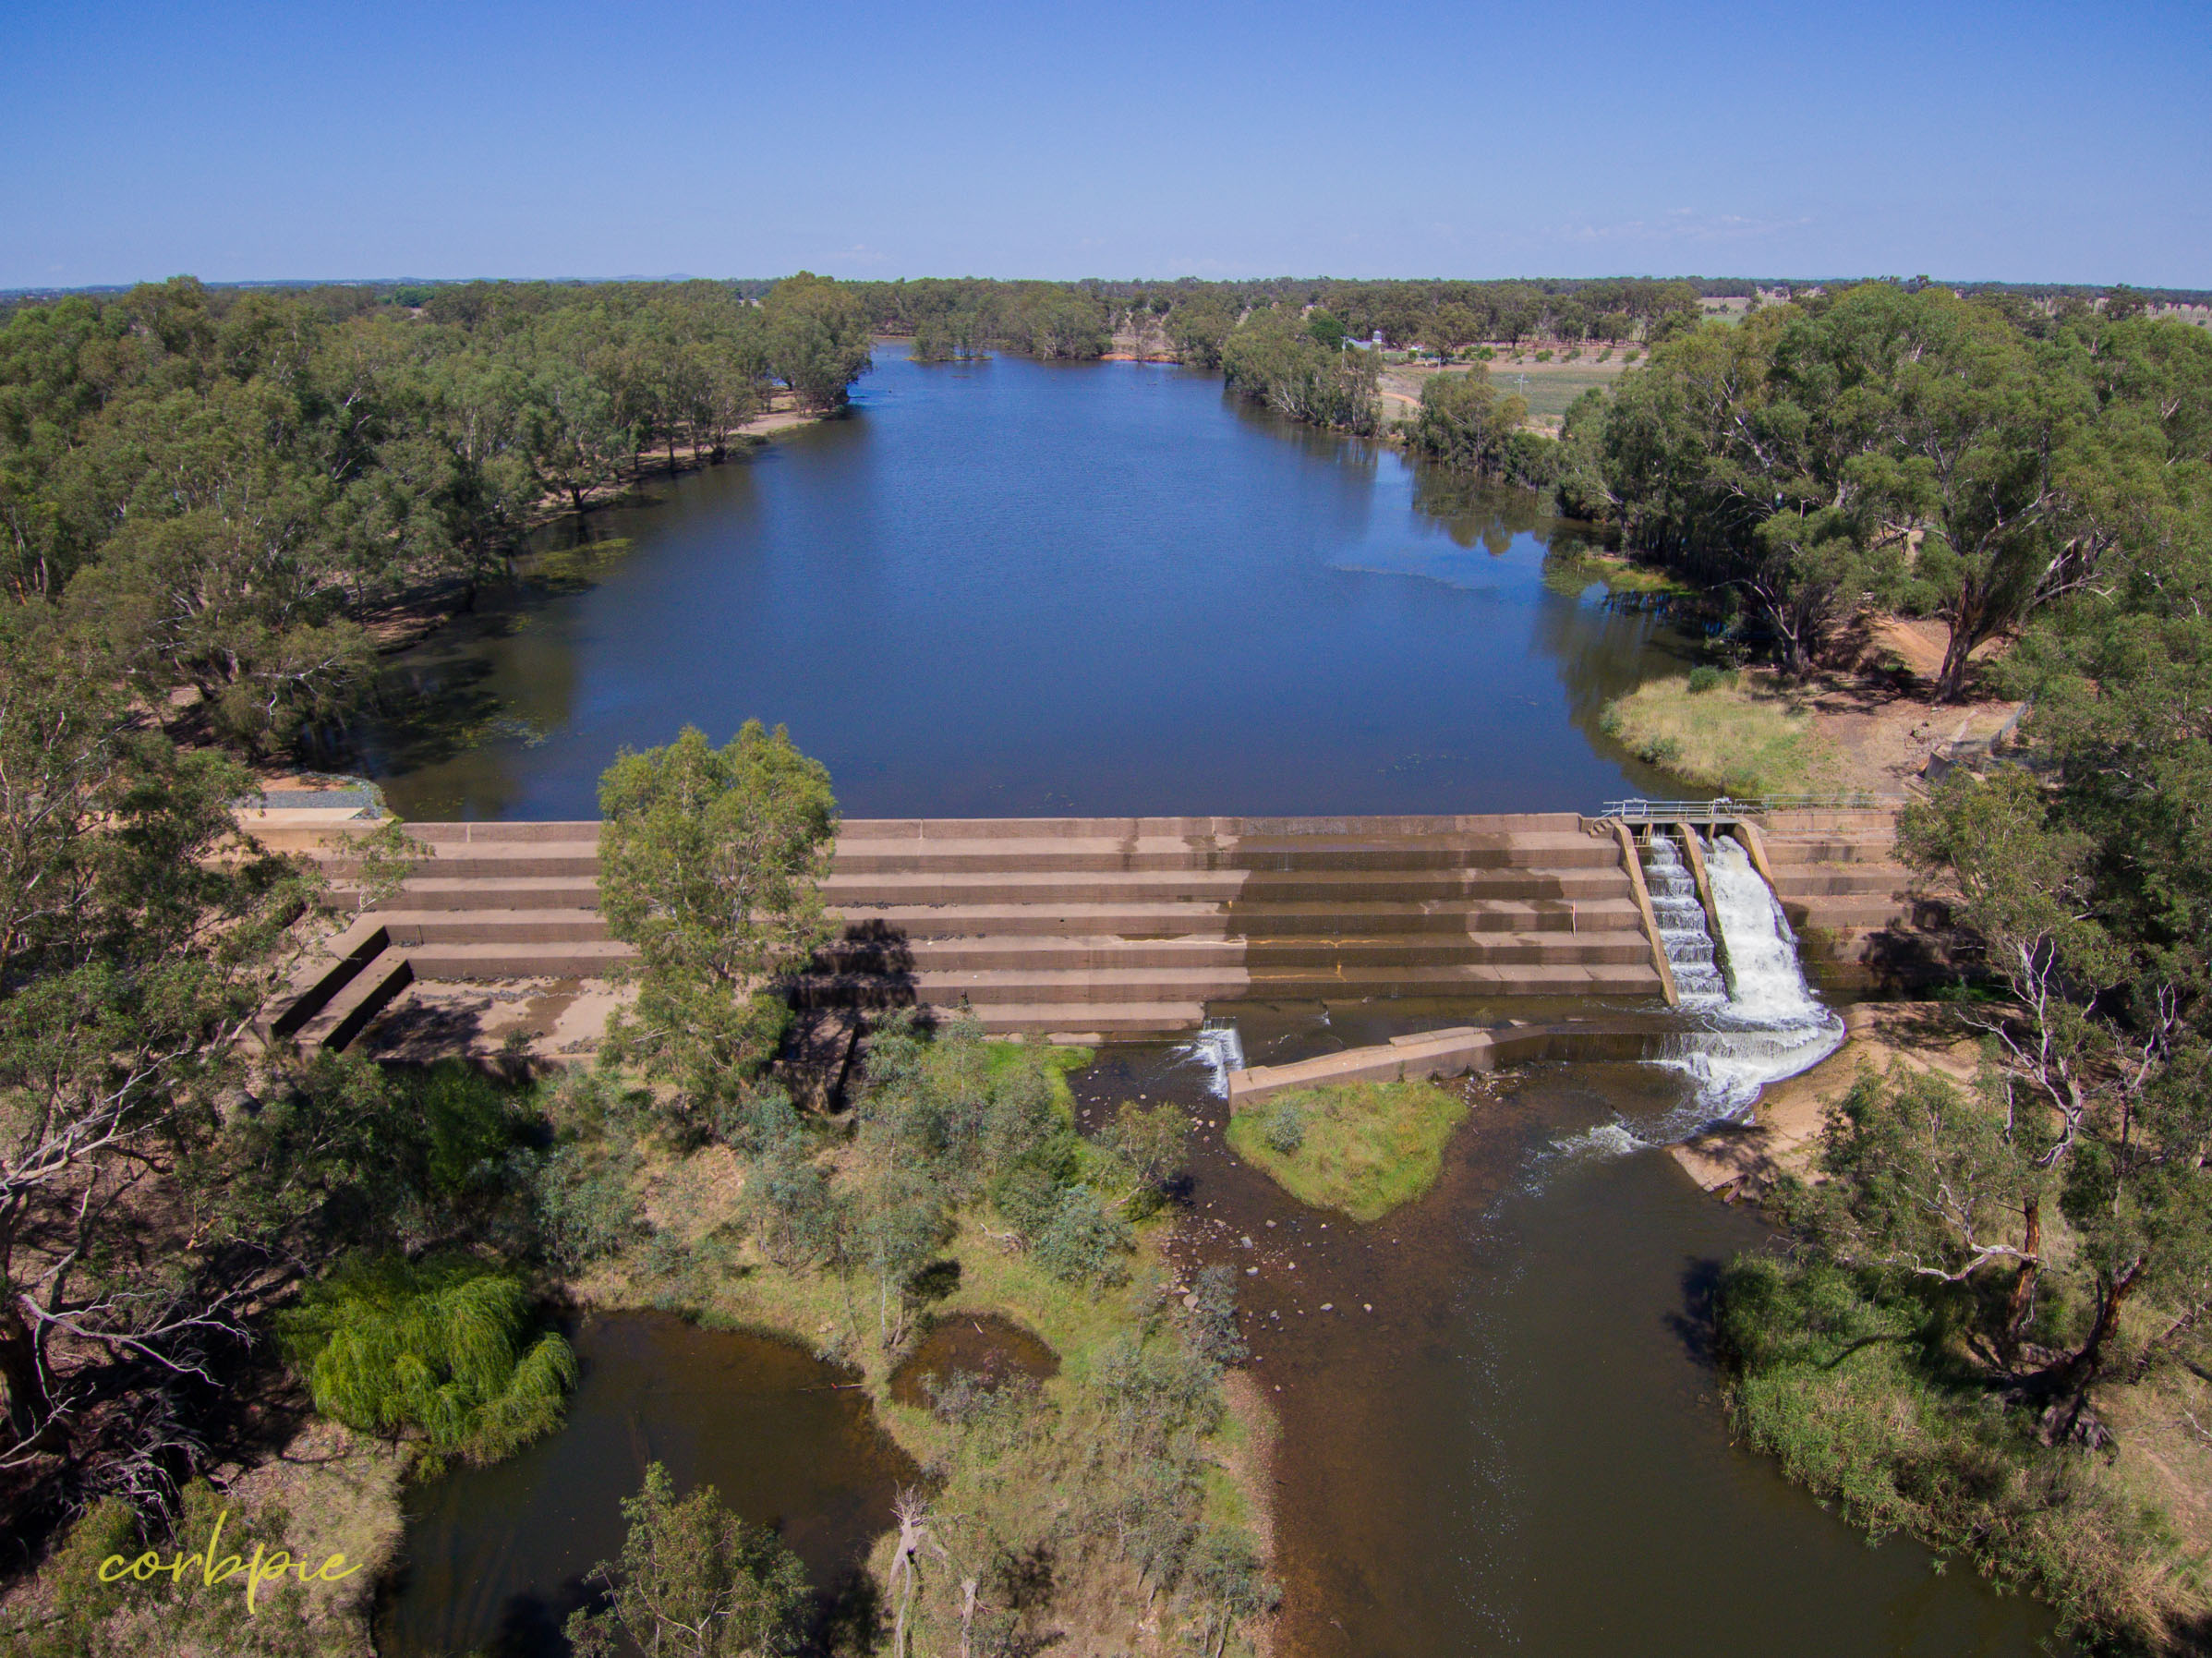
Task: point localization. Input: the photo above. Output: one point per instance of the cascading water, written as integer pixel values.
(1682, 931)
(1219, 1049)
(1770, 1025)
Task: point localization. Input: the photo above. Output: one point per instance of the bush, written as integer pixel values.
(1286, 1129)
(469, 1122)
(1214, 1330)
(789, 1201)
(1704, 679)
(1085, 1241)
(386, 1346)
(585, 1209)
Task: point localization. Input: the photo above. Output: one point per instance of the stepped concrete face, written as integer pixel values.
(1849, 897)
(1125, 925)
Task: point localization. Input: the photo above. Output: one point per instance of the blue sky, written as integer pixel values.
(2021, 142)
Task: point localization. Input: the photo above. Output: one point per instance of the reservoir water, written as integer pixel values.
(1019, 588)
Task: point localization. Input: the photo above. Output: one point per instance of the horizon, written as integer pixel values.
(2039, 144)
(1762, 283)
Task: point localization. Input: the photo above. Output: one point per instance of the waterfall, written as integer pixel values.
(1682, 931)
(1219, 1049)
(1772, 1026)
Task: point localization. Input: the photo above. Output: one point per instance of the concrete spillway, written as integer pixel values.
(1104, 926)
(1093, 927)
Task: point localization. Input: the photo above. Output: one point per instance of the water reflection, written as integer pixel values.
(1014, 587)
(497, 1558)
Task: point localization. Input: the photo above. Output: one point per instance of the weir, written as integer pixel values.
(1082, 929)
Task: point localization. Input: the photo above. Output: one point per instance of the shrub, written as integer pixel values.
(584, 1206)
(468, 1122)
(1286, 1130)
(789, 1201)
(1085, 1241)
(1214, 1330)
(1707, 678)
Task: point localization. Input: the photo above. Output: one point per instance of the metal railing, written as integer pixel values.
(1721, 808)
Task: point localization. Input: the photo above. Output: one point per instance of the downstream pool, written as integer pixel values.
(1018, 589)
(496, 1558)
(1503, 1435)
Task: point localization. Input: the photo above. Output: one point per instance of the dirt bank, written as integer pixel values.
(1741, 1160)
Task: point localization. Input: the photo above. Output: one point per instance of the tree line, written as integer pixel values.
(1882, 448)
(228, 486)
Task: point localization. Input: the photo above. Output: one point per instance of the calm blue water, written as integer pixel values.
(1020, 588)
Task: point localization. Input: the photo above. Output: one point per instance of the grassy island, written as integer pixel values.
(1363, 1148)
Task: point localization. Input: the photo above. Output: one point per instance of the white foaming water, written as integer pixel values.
(1772, 1026)
(1767, 1026)
(1607, 1140)
(1219, 1049)
(1682, 932)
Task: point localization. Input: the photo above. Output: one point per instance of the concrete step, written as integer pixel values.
(359, 1000)
(1831, 913)
(1807, 880)
(585, 958)
(1446, 915)
(444, 835)
(327, 972)
(442, 892)
(1449, 917)
(1086, 1020)
(413, 928)
(1033, 952)
(1082, 987)
(1872, 849)
(499, 861)
(1084, 853)
(1383, 955)
(1476, 978)
(1240, 888)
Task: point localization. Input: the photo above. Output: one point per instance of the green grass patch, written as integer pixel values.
(1060, 1063)
(1571, 573)
(1740, 740)
(1361, 1148)
(1552, 388)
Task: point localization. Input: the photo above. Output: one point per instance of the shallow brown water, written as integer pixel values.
(496, 1557)
(994, 1350)
(1520, 1446)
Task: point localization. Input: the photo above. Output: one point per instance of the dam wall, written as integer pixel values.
(1091, 927)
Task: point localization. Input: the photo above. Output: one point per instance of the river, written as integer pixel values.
(1019, 588)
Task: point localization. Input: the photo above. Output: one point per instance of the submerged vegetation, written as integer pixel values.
(1361, 1148)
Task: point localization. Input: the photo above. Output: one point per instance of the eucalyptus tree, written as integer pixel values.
(816, 339)
(138, 940)
(710, 864)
